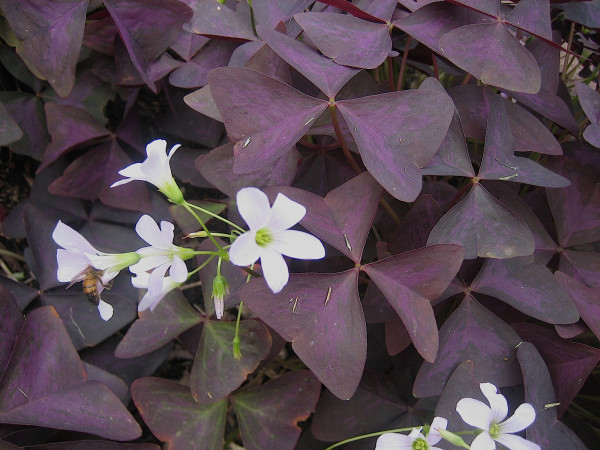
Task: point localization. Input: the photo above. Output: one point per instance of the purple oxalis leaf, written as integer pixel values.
(321, 315)
(585, 298)
(347, 40)
(166, 405)
(217, 168)
(532, 16)
(484, 227)
(366, 411)
(328, 76)
(546, 431)
(171, 317)
(411, 281)
(69, 126)
(28, 112)
(13, 320)
(270, 12)
(460, 340)
(254, 115)
(216, 373)
(268, 415)
(147, 28)
(52, 34)
(90, 176)
(583, 266)
(589, 100)
(493, 55)
(452, 157)
(9, 130)
(203, 102)
(499, 162)
(397, 134)
(355, 11)
(45, 384)
(576, 209)
(334, 218)
(569, 363)
(527, 286)
(212, 18)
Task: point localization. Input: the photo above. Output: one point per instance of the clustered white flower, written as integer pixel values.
(488, 419)
(268, 239)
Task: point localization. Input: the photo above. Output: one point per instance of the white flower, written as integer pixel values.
(161, 255)
(269, 237)
(489, 419)
(415, 440)
(150, 301)
(155, 170)
(77, 256)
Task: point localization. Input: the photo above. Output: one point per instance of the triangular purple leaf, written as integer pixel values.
(493, 55)
(216, 373)
(321, 315)
(546, 431)
(268, 415)
(347, 40)
(397, 134)
(254, 115)
(334, 218)
(527, 286)
(171, 317)
(9, 130)
(52, 34)
(585, 298)
(583, 266)
(328, 76)
(52, 390)
(569, 363)
(411, 281)
(212, 18)
(460, 340)
(166, 405)
(138, 22)
(483, 227)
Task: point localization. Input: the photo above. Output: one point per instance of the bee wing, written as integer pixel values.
(79, 277)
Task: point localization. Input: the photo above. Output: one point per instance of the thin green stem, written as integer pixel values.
(237, 353)
(187, 206)
(11, 255)
(365, 436)
(565, 64)
(216, 216)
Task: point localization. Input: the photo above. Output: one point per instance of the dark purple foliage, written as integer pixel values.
(446, 154)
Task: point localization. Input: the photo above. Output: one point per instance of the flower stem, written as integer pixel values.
(237, 353)
(403, 64)
(201, 222)
(216, 216)
(340, 138)
(365, 436)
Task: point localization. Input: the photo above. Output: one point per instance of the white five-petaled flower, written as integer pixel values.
(161, 255)
(269, 237)
(150, 301)
(490, 419)
(155, 170)
(415, 440)
(77, 255)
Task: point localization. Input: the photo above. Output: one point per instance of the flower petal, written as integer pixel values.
(70, 265)
(434, 435)
(523, 417)
(253, 205)
(483, 442)
(71, 240)
(297, 244)
(167, 230)
(516, 442)
(132, 172)
(244, 250)
(285, 213)
(105, 309)
(497, 401)
(149, 302)
(155, 282)
(475, 413)
(148, 262)
(147, 228)
(274, 269)
(393, 441)
(178, 270)
(140, 281)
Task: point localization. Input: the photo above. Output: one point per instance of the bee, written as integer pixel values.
(91, 279)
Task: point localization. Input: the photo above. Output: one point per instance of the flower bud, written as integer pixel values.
(452, 438)
(220, 289)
